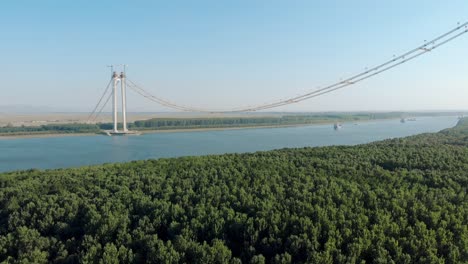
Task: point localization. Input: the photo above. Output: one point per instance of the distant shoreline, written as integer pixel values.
(180, 130)
(157, 131)
(45, 135)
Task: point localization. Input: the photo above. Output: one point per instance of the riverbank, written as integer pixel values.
(155, 131)
(228, 128)
(46, 135)
(88, 131)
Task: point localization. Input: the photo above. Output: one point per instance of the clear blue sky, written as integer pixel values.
(223, 54)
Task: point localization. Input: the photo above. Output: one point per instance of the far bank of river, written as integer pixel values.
(75, 151)
(182, 129)
(152, 131)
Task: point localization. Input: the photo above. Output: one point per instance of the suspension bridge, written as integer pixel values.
(395, 61)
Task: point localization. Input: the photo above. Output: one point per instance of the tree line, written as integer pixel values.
(208, 122)
(50, 129)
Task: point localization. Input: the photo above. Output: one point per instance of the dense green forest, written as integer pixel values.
(213, 122)
(50, 129)
(395, 201)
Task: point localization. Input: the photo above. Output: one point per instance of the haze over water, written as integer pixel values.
(74, 151)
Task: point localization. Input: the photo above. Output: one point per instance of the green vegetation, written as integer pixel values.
(394, 201)
(187, 123)
(49, 129)
(211, 122)
(284, 120)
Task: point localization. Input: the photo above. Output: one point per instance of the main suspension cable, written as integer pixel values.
(428, 46)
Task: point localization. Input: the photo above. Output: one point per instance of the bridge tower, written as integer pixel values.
(124, 101)
(116, 78)
(115, 81)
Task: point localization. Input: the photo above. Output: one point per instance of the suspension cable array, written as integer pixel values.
(96, 114)
(368, 73)
(102, 107)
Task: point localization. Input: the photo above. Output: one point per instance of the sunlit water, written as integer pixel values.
(77, 151)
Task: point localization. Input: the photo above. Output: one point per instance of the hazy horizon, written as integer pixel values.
(22, 109)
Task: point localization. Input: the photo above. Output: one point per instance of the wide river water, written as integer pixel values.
(74, 151)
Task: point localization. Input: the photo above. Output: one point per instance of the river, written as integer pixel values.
(74, 151)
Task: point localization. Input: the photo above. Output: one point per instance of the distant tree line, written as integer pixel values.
(215, 122)
(55, 128)
(297, 119)
(208, 122)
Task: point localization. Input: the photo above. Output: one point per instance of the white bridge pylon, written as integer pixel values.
(115, 81)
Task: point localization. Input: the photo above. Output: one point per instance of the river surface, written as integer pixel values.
(74, 151)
